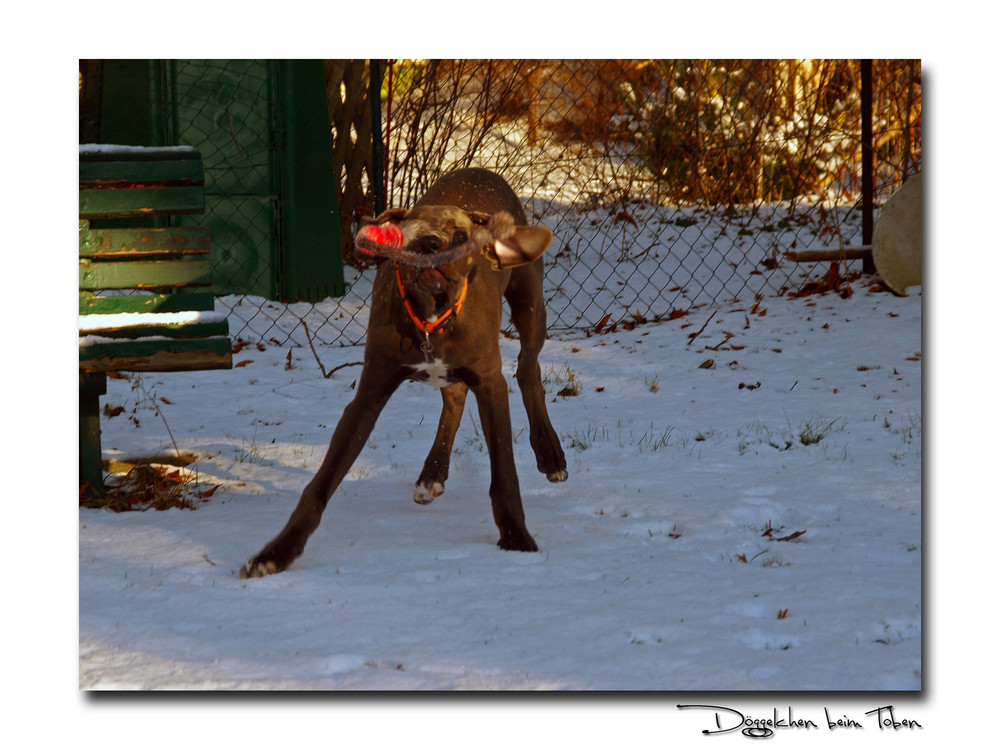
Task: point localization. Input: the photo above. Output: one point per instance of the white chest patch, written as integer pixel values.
(433, 373)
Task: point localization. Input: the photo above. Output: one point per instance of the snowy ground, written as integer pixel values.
(657, 570)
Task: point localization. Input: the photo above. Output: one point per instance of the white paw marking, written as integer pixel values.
(426, 492)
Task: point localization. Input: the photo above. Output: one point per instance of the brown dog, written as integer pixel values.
(437, 320)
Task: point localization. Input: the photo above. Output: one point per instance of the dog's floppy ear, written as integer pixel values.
(394, 215)
(514, 245)
(523, 246)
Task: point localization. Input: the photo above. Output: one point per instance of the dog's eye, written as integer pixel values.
(459, 238)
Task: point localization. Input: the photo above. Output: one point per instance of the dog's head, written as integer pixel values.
(437, 247)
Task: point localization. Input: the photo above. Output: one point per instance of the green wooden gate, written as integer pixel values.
(264, 133)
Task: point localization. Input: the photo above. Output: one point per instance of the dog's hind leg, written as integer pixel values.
(435, 471)
(527, 312)
(505, 492)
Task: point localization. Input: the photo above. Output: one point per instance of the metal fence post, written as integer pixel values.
(867, 162)
(378, 148)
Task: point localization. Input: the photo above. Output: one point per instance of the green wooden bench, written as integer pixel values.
(146, 303)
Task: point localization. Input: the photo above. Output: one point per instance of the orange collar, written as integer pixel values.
(424, 326)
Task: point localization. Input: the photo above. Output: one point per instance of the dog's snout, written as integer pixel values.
(428, 244)
(435, 243)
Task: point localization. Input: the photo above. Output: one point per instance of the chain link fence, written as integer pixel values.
(669, 184)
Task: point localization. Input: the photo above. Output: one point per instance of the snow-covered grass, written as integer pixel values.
(671, 559)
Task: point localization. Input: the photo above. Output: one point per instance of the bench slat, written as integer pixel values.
(144, 274)
(170, 330)
(115, 244)
(141, 201)
(157, 355)
(91, 304)
(177, 171)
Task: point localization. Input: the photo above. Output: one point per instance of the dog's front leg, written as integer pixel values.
(505, 492)
(430, 484)
(375, 387)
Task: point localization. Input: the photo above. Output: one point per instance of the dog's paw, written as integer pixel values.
(426, 491)
(557, 476)
(274, 558)
(258, 568)
(517, 542)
